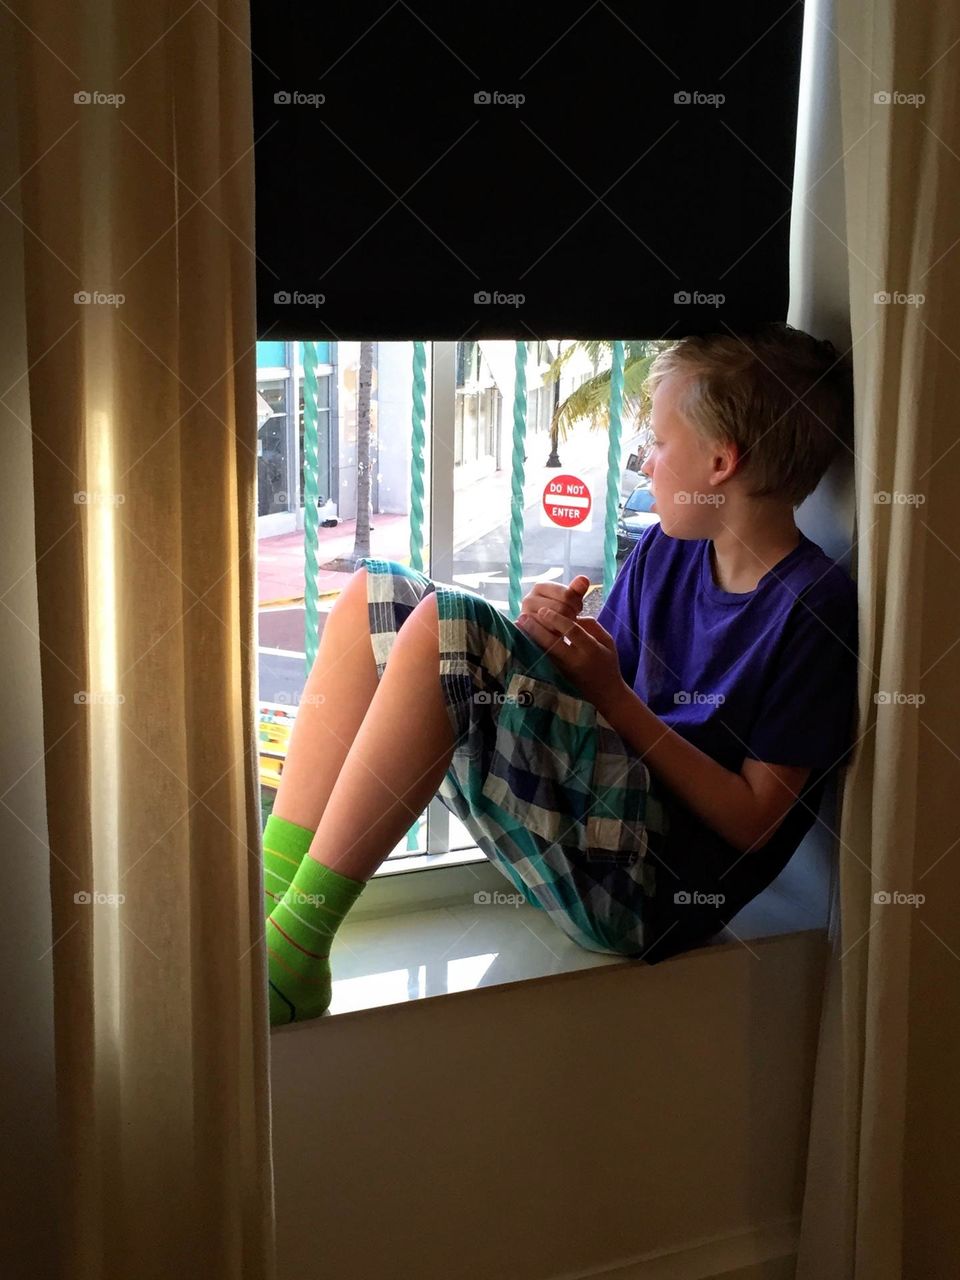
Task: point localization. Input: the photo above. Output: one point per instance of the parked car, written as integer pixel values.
(636, 515)
(630, 476)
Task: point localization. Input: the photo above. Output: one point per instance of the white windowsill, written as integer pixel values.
(414, 955)
(452, 928)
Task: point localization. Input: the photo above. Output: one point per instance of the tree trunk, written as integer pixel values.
(361, 546)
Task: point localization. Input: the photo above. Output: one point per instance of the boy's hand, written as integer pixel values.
(590, 660)
(566, 600)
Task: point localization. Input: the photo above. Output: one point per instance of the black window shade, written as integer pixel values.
(389, 200)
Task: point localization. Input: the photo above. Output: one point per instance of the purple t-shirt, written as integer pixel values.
(769, 674)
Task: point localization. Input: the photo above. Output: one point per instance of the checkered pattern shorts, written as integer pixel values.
(551, 794)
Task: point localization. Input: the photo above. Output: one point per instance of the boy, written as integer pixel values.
(638, 776)
(730, 626)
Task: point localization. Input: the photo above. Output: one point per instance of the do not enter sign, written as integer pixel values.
(566, 503)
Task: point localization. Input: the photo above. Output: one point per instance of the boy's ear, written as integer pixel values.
(727, 460)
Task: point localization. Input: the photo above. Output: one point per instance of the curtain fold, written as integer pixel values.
(881, 1171)
(136, 198)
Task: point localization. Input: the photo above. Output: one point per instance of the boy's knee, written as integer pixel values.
(427, 617)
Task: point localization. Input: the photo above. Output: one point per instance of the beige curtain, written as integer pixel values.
(882, 1176)
(142, 406)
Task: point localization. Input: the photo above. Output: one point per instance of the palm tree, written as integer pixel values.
(361, 541)
(592, 398)
(361, 544)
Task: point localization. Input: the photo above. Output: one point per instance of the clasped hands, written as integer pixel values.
(578, 646)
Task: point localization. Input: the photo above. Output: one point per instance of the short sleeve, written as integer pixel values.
(620, 612)
(807, 709)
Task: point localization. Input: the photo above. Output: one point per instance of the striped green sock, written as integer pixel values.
(299, 933)
(284, 844)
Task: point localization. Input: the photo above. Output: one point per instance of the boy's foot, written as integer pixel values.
(300, 930)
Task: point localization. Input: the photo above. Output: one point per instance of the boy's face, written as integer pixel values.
(679, 465)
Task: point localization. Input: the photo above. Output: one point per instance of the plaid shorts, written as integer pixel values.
(551, 794)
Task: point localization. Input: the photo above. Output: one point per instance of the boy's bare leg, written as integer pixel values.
(398, 758)
(335, 699)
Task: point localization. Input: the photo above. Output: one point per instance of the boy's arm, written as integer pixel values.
(743, 808)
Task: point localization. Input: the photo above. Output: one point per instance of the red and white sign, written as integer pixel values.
(567, 503)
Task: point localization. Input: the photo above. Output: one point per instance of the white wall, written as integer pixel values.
(551, 1128)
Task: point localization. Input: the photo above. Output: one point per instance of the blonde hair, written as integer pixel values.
(784, 398)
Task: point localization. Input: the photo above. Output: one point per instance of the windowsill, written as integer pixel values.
(403, 954)
(415, 955)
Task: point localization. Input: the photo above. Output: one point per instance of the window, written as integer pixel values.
(467, 477)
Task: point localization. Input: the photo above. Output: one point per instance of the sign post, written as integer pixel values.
(566, 504)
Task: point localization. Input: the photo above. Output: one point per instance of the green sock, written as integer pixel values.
(284, 844)
(299, 933)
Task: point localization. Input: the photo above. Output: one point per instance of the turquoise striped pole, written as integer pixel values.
(514, 599)
(416, 459)
(311, 515)
(613, 471)
(416, 496)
